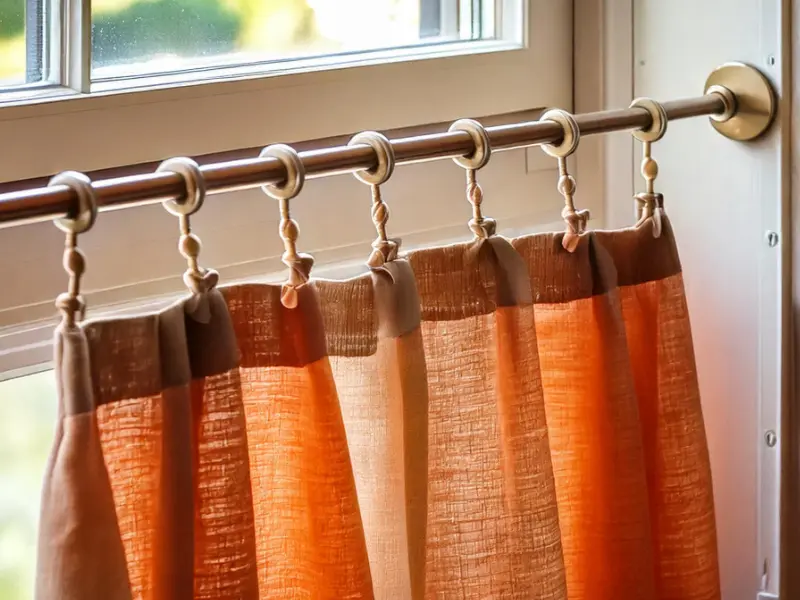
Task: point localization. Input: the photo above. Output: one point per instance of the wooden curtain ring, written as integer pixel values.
(194, 182)
(86, 214)
(658, 120)
(478, 158)
(384, 152)
(295, 172)
(571, 137)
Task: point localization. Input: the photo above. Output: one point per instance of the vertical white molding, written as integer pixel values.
(774, 335)
(77, 43)
(618, 91)
(603, 79)
(587, 82)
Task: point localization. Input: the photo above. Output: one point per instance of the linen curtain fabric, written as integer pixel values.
(493, 419)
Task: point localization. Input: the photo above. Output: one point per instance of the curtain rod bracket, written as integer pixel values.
(750, 103)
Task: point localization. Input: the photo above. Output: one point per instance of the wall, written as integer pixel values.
(722, 197)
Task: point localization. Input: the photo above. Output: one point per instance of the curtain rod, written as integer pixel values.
(738, 98)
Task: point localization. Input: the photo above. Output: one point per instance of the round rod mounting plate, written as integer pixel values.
(755, 101)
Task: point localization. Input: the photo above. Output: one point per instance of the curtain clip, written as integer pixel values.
(649, 204)
(482, 227)
(196, 278)
(384, 249)
(71, 303)
(299, 264)
(575, 219)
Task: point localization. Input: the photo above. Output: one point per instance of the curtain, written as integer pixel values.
(493, 419)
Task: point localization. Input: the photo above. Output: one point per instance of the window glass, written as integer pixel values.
(22, 41)
(139, 37)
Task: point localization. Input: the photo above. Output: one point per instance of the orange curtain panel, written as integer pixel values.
(487, 420)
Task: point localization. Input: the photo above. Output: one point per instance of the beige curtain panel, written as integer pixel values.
(494, 419)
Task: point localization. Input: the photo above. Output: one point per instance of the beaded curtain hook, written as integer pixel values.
(299, 264)
(481, 226)
(575, 219)
(649, 203)
(71, 303)
(383, 249)
(196, 278)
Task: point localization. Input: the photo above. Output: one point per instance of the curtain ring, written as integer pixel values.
(648, 203)
(295, 172)
(383, 249)
(479, 157)
(571, 137)
(384, 152)
(196, 278)
(86, 215)
(193, 181)
(574, 219)
(658, 120)
(299, 264)
(482, 227)
(71, 303)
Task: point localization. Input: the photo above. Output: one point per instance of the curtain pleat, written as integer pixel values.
(80, 550)
(673, 434)
(373, 334)
(173, 434)
(593, 420)
(493, 419)
(492, 518)
(308, 530)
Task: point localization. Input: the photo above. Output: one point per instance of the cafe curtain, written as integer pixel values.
(493, 419)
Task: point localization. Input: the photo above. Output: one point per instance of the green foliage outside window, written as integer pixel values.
(12, 18)
(126, 31)
(181, 27)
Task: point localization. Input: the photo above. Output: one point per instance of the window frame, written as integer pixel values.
(67, 48)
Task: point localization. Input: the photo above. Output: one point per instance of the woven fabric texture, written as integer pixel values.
(488, 420)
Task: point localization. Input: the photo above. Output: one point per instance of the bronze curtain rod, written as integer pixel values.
(737, 95)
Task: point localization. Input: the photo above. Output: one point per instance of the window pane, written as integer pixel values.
(22, 41)
(27, 420)
(133, 37)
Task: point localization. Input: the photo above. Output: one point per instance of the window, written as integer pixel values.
(25, 39)
(132, 38)
(76, 43)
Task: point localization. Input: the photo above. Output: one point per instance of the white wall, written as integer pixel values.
(723, 197)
